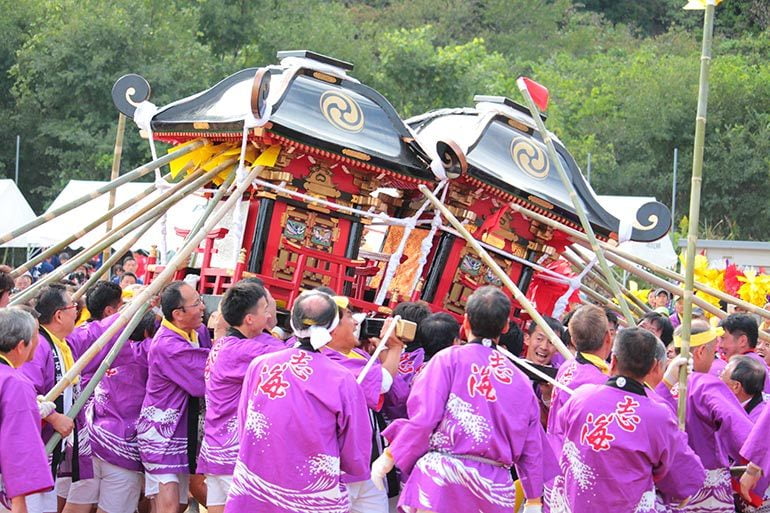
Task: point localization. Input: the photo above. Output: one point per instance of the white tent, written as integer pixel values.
(182, 215)
(660, 252)
(17, 213)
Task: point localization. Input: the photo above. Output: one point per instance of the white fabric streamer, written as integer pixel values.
(240, 176)
(574, 284)
(427, 243)
(319, 335)
(437, 167)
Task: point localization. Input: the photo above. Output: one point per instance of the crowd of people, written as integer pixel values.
(244, 415)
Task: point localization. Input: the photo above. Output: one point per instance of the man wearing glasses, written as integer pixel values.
(53, 357)
(167, 428)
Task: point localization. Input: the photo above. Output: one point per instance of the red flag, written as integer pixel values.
(538, 92)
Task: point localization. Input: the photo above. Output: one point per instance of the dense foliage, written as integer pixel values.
(623, 76)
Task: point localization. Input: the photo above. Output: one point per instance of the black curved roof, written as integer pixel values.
(503, 149)
(313, 101)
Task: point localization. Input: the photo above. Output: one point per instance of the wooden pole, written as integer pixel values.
(152, 289)
(116, 156)
(554, 157)
(106, 217)
(599, 280)
(695, 192)
(128, 177)
(99, 374)
(111, 238)
(583, 241)
(495, 268)
(639, 306)
(114, 258)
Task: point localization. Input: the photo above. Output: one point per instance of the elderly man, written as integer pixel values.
(377, 385)
(462, 435)
(302, 422)
(245, 308)
(168, 425)
(745, 377)
(24, 467)
(616, 426)
(717, 425)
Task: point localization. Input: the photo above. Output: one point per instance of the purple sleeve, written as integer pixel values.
(675, 455)
(204, 336)
(409, 438)
(22, 458)
(354, 433)
(185, 366)
(536, 455)
(40, 370)
(665, 393)
(755, 447)
(732, 423)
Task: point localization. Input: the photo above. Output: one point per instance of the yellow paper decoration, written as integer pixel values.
(755, 287)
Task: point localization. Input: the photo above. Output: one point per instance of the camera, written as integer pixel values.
(372, 327)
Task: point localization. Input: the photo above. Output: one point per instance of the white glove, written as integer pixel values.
(380, 468)
(45, 407)
(533, 508)
(671, 377)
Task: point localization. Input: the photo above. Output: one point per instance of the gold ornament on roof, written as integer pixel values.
(342, 111)
(529, 158)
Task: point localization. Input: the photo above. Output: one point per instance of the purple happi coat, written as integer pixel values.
(114, 411)
(717, 425)
(302, 421)
(472, 415)
(574, 373)
(753, 355)
(24, 467)
(175, 373)
(225, 369)
(620, 446)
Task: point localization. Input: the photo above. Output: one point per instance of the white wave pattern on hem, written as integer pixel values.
(219, 455)
(325, 495)
(115, 444)
(445, 470)
(163, 421)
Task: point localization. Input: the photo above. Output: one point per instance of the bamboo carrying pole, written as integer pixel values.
(490, 262)
(106, 217)
(111, 238)
(102, 271)
(695, 190)
(580, 264)
(100, 372)
(583, 241)
(128, 177)
(534, 370)
(639, 305)
(546, 135)
(144, 297)
(116, 156)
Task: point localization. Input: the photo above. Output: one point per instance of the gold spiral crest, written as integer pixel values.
(342, 111)
(530, 158)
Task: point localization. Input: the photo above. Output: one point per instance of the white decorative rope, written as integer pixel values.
(427, 243)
